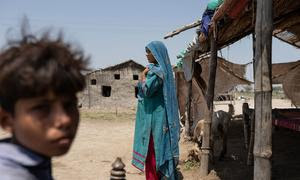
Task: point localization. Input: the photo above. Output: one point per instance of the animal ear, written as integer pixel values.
(6, 120)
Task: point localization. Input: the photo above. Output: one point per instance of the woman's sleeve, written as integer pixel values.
(151, 85)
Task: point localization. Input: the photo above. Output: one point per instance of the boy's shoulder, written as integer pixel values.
(19, 163)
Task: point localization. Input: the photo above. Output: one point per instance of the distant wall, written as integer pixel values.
(122, 93)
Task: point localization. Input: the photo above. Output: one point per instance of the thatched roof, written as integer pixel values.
(286, 27)
(280, 71)
(129, 63)
(286, 18)
(291, 85)
(288, 74)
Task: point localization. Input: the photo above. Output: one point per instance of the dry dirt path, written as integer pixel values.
(104, 136)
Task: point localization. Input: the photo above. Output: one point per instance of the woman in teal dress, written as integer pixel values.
(156, 135)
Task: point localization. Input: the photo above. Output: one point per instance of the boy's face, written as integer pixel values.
(45, 124)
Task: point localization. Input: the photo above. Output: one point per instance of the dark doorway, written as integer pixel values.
(136, 91)
(106, 91)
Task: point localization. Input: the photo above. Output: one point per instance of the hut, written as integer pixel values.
(233, 20)
(112, 88)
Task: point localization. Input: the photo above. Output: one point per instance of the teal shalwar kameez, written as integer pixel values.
(157, 115)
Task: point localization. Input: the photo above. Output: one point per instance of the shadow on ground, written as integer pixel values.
(285, 161)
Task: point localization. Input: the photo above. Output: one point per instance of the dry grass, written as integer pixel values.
(106, 116)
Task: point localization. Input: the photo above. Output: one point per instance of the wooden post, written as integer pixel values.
(209, 110)
(263, 91)
(251, 144)
(246, 121)
(188, 112)
(252, 117)
(189, 105)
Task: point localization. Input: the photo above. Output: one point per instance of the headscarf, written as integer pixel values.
(160, 53)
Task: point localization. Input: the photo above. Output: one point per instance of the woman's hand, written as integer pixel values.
(144, 73)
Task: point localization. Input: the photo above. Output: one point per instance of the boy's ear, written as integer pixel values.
(6, 120)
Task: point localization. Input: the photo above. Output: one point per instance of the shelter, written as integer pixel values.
(234, 20)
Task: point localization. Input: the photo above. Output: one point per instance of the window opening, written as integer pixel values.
(117, 76)
(93, 82)
(135, 77)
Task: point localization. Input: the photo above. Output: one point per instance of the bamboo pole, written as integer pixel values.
(263, 91)
(251, 144)
(189, 105)
(209, 110)
(184, 28)
(246, 124)
(252, 126)
(188, 112)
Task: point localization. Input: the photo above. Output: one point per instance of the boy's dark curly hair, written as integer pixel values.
(33, 66)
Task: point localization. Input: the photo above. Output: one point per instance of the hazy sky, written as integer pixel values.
(112, 31)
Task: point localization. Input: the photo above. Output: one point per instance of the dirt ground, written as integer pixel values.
(104, 136)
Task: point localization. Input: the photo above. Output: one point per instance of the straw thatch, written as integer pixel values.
(280, 71)
(291, 85)
(286, 24)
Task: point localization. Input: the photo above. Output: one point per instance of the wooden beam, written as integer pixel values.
(188, 112)
(190, 96)
(246, 121)
(206, 145)
(251, 144)
(252, 117)
(222, 10)
(238, 28)
(184, 28)
(263, 91)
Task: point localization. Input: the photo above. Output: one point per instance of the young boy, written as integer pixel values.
(39, 79)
